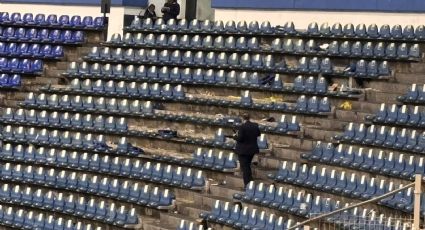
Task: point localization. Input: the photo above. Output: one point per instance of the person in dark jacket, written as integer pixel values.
(170, 10)
(246, 146)
(149, 13)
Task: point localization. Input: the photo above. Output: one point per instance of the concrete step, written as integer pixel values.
(410, 78)
(389, 87)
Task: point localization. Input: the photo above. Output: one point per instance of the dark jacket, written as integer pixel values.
(149, 14)
(173, 12)
(246, 139)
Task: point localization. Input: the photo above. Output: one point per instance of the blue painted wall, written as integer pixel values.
(138, 3)
(330, 5)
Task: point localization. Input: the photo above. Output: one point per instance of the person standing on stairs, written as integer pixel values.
(170, 10)
(246, 146)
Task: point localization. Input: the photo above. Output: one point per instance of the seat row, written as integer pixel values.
(122, 88)
(322, 179)
(25, 50)
(399, 115)
(23, 219)
(301, 84)
(68, 139)
(210, 159)
(157, 173)
(86, 122)
(185, 41)
(243, 218)
(286, 201)
(253, 62)
(390, 164)
(415, 94)
(385, 32)
(100, 186)
(304, 105)
(382, 136)
(70, 159)
(107, 71)
(288, 46)
(11, 34)
(196, 26)
(10, 80)
(347, 49)
(24, 66)
(52, 20)
(76, 206)
(135, 108)
(211, 77)
(119, 108)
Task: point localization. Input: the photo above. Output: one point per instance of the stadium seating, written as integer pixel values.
(51, 21)
(244, 218)
(22, 218)
(242, 62)
(291, 47)
(100, 186)
(10, 81)
(383, 136)
(141, 123)
(265, 29)
(81, 206)
(354, 185)
(390, 164)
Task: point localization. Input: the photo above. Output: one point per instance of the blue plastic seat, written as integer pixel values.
(348, 30)
(372, 31)
(396, 32)
(402, 51)
(361, 31)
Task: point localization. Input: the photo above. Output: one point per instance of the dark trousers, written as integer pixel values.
(245, 163)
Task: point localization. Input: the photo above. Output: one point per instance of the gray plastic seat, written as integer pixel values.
(242, 27)
(171, 24)
(139, 39)
(194, 25)
(207, 42)
(253, 43)
(182, 25)
(184, 41)
(115, 38)
(128, 39)
(276, 44)
(173, 41)
(150, 40)
(325, 29)
(218, 26)
(230, 43)
(241, 43)
(288, 46)
(219, 42)
(196, 41)
(206, 26)
(161, 40)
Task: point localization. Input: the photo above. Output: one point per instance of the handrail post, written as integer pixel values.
(417, 204)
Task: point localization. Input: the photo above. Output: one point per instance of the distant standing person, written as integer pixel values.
(170, 10)
(149, 13)
(246, 146)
